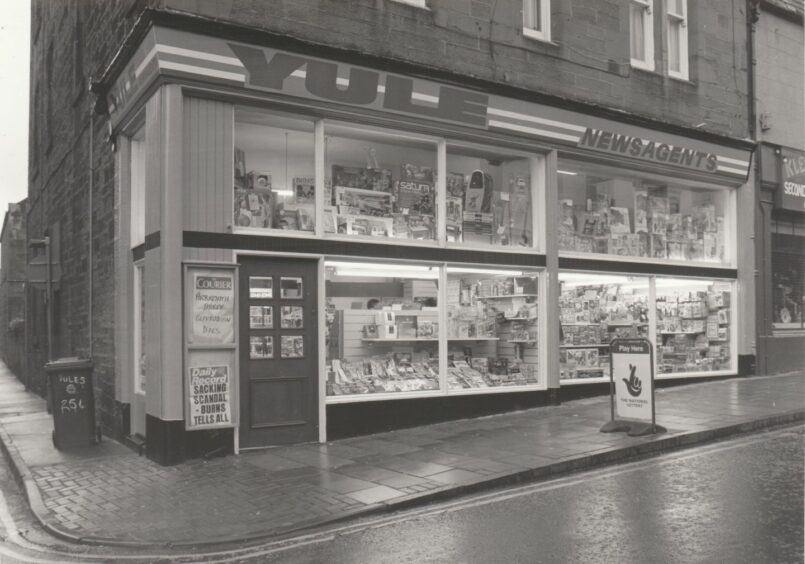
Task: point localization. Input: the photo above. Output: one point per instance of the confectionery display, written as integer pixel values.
(693, 326)
(591, 316)
(492, 331)
(640, 219)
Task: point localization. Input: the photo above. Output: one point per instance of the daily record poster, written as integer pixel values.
(632, 375)
(210, 390)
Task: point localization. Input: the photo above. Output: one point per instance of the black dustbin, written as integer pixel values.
(72, 400)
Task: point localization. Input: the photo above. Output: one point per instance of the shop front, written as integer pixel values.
(781, 259)
(396, 250)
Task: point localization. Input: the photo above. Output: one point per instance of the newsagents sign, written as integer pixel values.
(633, 379)
(337, 84)
(791, 191)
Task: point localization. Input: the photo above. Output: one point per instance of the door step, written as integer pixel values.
(136, 443)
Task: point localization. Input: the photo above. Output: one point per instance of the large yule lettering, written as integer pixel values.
(454, 104)
(322, 80)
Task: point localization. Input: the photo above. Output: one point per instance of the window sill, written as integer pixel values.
(681, 79)
(538, 36)
(414, 4)
(644, 68)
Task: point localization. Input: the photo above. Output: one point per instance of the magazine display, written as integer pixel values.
(693, 329)
(654, 222)
(591, 316)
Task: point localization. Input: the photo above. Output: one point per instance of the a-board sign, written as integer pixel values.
(632, 373)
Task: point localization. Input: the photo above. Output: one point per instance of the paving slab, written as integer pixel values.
(108, 494)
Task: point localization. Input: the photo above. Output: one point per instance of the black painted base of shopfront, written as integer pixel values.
(784, 353)
(365, 418)
(168, 443)
(122, 420)
(746, 365)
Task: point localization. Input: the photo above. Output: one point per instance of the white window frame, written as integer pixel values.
(137, 187)
(415, 3)
(674, 19)
(137, 333)
(530, 8)
(648, 34)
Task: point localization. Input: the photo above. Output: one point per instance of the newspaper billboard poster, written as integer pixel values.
(213, 307)
(210, 397)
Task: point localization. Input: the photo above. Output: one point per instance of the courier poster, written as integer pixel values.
(213, 308)
(210, 394)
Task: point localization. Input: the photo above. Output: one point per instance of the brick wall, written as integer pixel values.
(12, 289)
(71, 41)
(587, 61)
(780, 72)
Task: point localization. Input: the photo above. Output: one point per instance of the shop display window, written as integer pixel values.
(489, 197)
(788, 278)
(594, 309)
(274, 179)
(694, 325)
(379, 184)
(608, 213)
(492, 328)
(382, 328)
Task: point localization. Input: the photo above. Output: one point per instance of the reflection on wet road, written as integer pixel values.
(737, 501)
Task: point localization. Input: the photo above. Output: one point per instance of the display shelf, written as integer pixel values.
(589, 369)
(575, 324)
(398, 340)
(533, 319)
(508, 296)
(575, 381)
(531, 341)
(681, 333)
(473, 338)
(590, 346)
(625, 324)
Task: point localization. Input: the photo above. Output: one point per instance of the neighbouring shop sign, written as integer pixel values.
(213, 307)
(791, 191)
(633, 376)
(210, 395)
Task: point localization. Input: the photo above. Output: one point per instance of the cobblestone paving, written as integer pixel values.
(127, 497)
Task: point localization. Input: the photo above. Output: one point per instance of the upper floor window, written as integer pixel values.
(641, 33)
(677, 31)
(537, 19)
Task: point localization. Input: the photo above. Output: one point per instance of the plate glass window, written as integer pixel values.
(274, 179)
(382, 328)
(380, 184)
(677, 32)
(537, 19)
(490, 195)
(694, 325)
(641, 34)
(594, 309)
(492, 328)
(606, 212)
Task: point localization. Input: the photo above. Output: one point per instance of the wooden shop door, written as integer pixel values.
(278, 351)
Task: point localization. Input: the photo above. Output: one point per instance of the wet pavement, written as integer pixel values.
(737, 501)
(109, 494)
